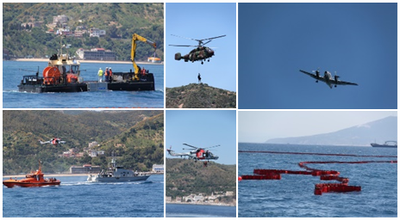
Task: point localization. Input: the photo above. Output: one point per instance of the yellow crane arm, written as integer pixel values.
(136, 37)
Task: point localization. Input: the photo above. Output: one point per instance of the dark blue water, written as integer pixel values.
(77, 198)
(14, 70)
(293, 195)
(183, 210)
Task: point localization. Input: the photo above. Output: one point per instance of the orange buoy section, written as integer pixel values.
(51, 75)
(274, 174)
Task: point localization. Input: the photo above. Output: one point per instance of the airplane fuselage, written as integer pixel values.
(328, 78)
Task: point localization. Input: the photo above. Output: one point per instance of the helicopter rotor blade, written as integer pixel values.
(190, 146)
(207, 42)
(183, 37)
(212, 146)
(176, 45)
(212, 38)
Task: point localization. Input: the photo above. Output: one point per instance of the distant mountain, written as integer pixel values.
(362, 135)
(185, 177)
(199, 96)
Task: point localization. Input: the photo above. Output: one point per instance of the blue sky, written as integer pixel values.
(358, 41)
(260, 126)
(203, 128)
(199, 21)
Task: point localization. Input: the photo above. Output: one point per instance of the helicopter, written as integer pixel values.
(196, 153)
(200, 53)
(54, 141)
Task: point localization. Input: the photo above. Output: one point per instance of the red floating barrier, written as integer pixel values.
(268, 174)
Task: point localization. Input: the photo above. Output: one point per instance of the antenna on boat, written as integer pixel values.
(40, 165)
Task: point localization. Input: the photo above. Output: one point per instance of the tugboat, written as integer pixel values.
(63, 75)
(117, 174)
(34, 179)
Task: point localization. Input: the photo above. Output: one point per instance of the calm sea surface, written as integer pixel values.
(293, 195)
(14, 70)
(77, 198)
(183, 210)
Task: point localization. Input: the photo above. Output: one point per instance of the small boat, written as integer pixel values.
(34, 179)
(117, 174)
(391, 144)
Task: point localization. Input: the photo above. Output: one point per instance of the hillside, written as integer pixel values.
(118, 20)
(199, 96)
(133, 135)
(362, 135)
(185, 177)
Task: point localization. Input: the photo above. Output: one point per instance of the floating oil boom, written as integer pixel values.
(320, 188)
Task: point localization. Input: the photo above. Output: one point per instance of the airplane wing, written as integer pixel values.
(344, 83)
(313, 75)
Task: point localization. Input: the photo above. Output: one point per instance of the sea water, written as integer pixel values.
(207, 211)
(13, 72)
(76, 197)
(293, 195)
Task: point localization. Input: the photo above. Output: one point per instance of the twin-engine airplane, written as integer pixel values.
(196, 153)
(54, 141)
(328, 79)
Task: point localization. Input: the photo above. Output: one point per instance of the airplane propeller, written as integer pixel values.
(316, 73)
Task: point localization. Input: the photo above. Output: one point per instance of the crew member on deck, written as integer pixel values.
(106, 75)
(100, 74)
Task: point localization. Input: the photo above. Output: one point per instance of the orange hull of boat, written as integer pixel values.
(30, 182)
(34, 179)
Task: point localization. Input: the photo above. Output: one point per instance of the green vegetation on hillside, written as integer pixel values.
(199, 96)
(136, 137)
(185, 177)
(119, 20)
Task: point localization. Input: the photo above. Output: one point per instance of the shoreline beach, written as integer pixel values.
(87, 61)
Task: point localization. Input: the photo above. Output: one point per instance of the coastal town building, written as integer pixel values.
(95, 32)
(32, 24)
(95, 153)
(96, 54)
(93, 144)
(60, 19)
(158, 168)
(86, 168)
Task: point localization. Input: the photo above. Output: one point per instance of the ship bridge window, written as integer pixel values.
(74, 69)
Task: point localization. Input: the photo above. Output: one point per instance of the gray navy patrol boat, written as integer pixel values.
(117, 174)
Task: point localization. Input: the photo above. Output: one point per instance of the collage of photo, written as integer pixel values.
(199, 110)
